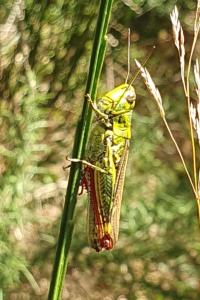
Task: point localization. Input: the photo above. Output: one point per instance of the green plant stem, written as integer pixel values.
(81, 137)
(180, 154)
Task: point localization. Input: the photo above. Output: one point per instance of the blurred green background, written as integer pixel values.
(44, 53)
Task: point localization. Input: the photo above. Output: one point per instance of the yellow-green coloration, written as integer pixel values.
(108, 150)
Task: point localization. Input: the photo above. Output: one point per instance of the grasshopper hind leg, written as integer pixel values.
(106, 242)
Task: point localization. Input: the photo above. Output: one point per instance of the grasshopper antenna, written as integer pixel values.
(128, 52)
(143, 64)
(138, 72)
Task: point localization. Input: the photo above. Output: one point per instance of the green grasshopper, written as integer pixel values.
(105, 164)
(106, 160)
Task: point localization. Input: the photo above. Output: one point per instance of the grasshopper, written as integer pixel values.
(105, 162)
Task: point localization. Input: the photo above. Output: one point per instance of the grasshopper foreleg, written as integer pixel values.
(95, 108)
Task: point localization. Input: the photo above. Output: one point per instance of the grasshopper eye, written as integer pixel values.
(130, 98)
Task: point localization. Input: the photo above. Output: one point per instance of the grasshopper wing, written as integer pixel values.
(115, 217)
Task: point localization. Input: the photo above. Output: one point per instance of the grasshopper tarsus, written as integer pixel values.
(66, 167)
(88, 97)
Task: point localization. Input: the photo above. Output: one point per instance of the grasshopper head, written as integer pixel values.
(122, 95)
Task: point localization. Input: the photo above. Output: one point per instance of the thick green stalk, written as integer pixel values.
(81, 137)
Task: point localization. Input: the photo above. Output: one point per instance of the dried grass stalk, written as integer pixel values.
(179, 41)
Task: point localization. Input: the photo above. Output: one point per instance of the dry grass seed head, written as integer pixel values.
(195, 117)
(176, 26)
(179, 39)
(197, 81)
(151, 87)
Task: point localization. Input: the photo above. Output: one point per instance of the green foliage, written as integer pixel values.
(22, 126)
(43, 66)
